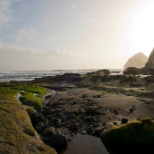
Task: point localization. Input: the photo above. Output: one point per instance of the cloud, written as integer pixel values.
(63, 52)
(16, 50)
(31, 36)
(88, 17)
(5, 12)
(28, 34)
(73, 5)
(52, 37)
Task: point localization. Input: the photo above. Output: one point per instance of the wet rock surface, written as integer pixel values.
(17, 134)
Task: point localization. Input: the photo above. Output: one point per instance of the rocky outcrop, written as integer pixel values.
(138, 61)
(132, 71)
(135, 135)
(150, 62)
(48, 135)
(149, 66)
(17, 135)
(100, 72)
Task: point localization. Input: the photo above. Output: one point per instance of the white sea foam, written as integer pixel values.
(31, 75)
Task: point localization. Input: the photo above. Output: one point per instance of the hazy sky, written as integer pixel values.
(73, 34)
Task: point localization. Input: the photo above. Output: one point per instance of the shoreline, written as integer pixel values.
(89, 104)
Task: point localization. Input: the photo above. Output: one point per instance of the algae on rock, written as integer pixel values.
(17, 135)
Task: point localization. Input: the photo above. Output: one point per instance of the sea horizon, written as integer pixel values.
(31, 75)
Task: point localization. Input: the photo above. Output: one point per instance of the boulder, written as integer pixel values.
(49, 131)
(124, 120)
(58, 141)
(36, 117)
(103, 72)
(135, 136)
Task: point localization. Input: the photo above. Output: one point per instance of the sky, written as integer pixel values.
(73, 34)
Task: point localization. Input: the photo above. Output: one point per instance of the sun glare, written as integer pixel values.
(141, 30)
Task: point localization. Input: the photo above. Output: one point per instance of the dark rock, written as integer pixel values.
(115, 123)
(137, 136)
(124, 120)
(113, 110)
(149, 66)
(46, 110)
(96, 96)
(150, 62)
(84, 96)
(57, 141)
(91, 111)
(47, 97)
(132, 70)
(39, 126)
(58, 123)
(49, 131)
(98, 131)
(90, 131)
(103, 72)
(58, 115)
(73, 127)
(70, 116)
(36, 117)
(100, 72)
(91, 119)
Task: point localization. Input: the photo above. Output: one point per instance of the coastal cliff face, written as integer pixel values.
(137, 61)
(150, 62)
(17, 135)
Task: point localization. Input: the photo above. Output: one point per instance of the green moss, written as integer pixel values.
(16, 132)
(32, 89)
(136, 133)
(29, 99)
(7, 93)
(10, 91)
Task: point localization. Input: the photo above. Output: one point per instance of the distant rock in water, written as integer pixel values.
(132, 70)
(137, 61)
(150, 62)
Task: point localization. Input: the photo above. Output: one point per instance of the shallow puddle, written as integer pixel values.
(17, 98)
(85, 144)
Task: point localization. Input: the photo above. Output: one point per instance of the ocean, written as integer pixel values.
(31, 75)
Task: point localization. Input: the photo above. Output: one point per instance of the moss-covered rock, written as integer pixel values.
(31, 95)
(135, 135)
(17, 135)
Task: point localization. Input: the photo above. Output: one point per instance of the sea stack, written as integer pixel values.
(138, 61)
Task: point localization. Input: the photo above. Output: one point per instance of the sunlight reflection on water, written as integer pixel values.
(85, 144)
